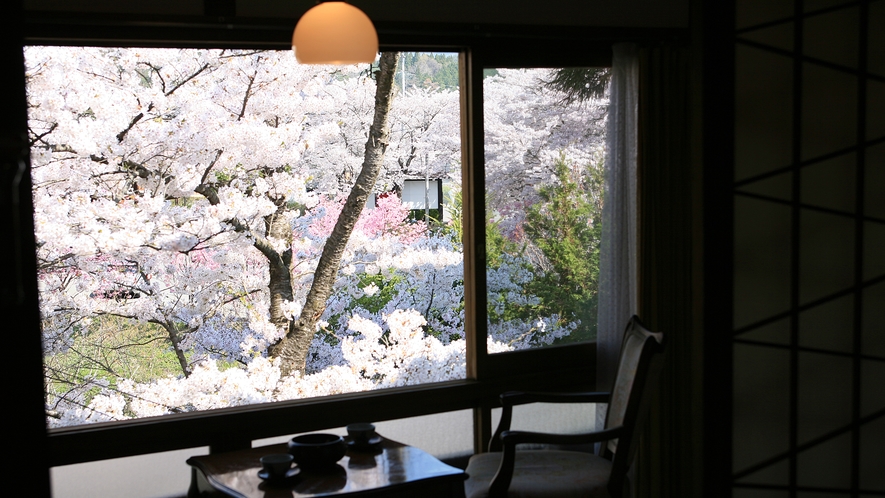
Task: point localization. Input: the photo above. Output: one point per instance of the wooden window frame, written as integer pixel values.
(566, 367)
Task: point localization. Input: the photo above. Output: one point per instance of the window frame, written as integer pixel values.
(566, 367)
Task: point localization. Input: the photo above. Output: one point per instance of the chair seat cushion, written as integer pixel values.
(542, 473)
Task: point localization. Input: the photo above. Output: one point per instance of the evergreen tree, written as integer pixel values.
(566, 226)
(579, 84)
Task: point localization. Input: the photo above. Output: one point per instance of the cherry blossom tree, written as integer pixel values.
(528, 129)
(544, 138)
(423, 144)
(123, 146)
(160, 176)
(188, 196)
(292, 348)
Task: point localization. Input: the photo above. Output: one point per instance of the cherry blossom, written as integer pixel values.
(166, 181)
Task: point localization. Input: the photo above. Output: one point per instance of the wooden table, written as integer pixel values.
(391, 470)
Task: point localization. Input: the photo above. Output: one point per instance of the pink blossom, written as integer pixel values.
(389, 218)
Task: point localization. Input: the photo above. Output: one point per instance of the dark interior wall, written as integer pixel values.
(18, 287)
(625, 13)
(809, 274)
(632, 13)
(590, 13)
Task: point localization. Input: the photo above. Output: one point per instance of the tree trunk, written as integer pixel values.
(175, 339)
(277, 225)
(280, 265)
(293, 348)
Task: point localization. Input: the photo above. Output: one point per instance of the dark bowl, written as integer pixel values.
(317, 451)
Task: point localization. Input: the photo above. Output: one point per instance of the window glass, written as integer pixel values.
(559, 418)
(446, 439)
(150, 475)
(183, 199)
(544, 144)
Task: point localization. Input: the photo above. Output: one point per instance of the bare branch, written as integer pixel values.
(238, 296)
(211, 164)
(39, 138)
(55, 262)
(242, 54)
(247, 95)
(156, 70)
(182, 82)
(99, 76)
(122, 134)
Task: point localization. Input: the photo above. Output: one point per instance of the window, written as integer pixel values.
(486, 374)
(544, 150)
(183, 198)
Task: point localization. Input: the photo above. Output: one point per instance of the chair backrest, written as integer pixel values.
(639, 367)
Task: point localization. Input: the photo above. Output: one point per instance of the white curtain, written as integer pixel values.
(618, 250)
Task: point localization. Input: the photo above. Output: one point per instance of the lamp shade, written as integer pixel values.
(334, 33)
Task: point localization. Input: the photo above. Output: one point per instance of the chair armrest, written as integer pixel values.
(512, 438)
(501, 481)
(512, 398)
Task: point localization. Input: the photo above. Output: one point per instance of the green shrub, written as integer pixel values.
(566, 225)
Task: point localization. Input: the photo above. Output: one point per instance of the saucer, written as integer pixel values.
(369, 443)
(294, 471)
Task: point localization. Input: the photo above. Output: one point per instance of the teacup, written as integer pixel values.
(361, 432)
(276, 465)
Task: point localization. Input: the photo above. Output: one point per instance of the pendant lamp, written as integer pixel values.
(334, 33)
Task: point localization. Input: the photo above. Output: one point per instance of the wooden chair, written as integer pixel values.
(558, 473)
